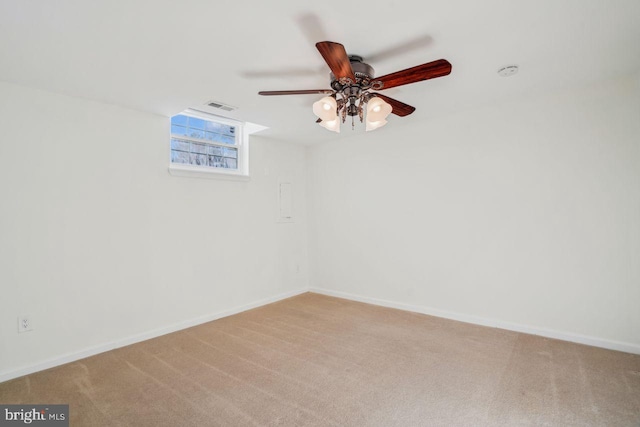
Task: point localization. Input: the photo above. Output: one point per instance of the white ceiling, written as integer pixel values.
(164, 56)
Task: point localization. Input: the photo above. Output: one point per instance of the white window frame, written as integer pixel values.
(242, 145)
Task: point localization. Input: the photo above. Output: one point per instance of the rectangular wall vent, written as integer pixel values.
(221, 106)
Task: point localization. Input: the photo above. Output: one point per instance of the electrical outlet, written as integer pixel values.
(24, 323)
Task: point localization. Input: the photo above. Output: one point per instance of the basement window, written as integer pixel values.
(206, 145)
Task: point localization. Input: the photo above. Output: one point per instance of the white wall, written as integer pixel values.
(98, 243)
(525, 215)
(520, 214)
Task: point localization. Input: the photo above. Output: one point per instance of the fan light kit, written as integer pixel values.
(353, 85)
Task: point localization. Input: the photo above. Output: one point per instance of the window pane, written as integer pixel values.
(198, 148)
(231, 152)
(194, 127)
(213, 127)
(195, 133)
(179, 157)
(195, 123)
(224, 139)
(231, 163)
(215, 137)
(216, 161)
(215, 150)
(228, 140)
(179, 120)
(179, 145)
(178, 130)
(198, 159)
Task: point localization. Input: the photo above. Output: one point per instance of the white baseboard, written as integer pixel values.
(91, 351)
(548, 333)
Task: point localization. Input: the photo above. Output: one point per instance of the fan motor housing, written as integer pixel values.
(363, 72)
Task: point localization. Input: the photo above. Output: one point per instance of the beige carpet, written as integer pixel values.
(314, 360)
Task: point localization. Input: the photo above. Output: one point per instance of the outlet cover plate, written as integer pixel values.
(25, 324)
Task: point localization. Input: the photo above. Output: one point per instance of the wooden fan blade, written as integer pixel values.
(337, 59)
(427, 71)
(295, 92)
(399, 108)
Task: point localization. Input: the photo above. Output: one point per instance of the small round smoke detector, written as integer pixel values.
(507, 71)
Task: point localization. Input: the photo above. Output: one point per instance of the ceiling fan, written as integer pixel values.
(352, 85)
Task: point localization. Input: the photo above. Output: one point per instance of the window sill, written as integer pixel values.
(194, 172)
